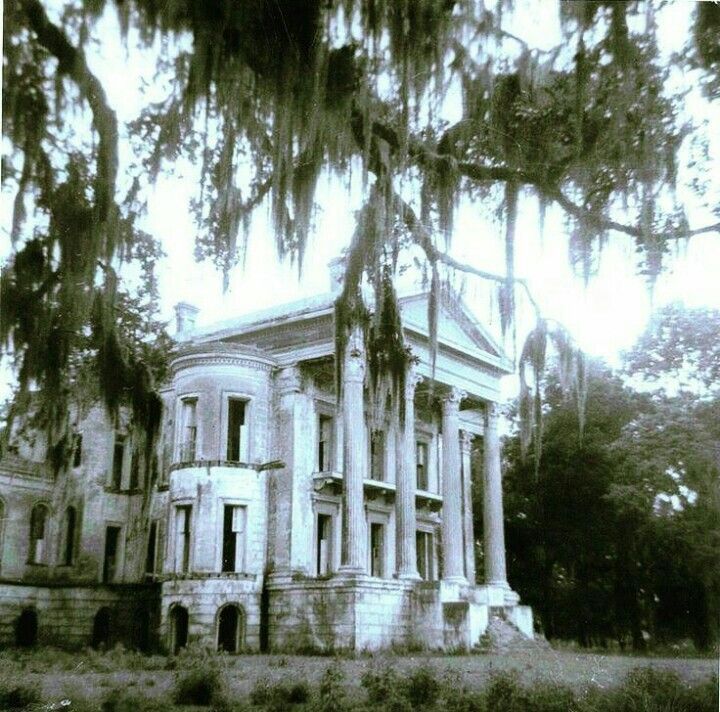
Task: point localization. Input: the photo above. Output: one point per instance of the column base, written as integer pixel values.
(350, 572)
(455, 580)
(409, 576)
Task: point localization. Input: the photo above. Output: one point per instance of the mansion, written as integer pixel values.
(274, 518)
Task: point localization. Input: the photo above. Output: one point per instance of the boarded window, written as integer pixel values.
(323, 552)
(237, 433)
(182, 538)
(233, 558)
(112, 550)
(38, 534)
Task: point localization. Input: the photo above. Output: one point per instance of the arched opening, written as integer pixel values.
(229, 628)
(101, 629)
(143, 631)
(38, 527)
(26, 629)
(70, 535)
(178, 628)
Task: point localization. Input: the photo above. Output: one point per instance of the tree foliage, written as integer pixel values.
(590, 125)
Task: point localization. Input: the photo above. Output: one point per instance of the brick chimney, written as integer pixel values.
(185, 315)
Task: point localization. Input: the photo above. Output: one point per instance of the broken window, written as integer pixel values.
(377, 549)
(425, 558)
(118, 459)
(421, 458)
(323, 551)
(324, 449)
(233, 558)
(188, 430)
(38, 533)
(182, 538)
(112, 549)
(70, 536)
(237, 433)
(151, 557)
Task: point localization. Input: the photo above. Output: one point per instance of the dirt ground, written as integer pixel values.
(577, 670)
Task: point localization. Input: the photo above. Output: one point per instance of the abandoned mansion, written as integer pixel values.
(277, 518)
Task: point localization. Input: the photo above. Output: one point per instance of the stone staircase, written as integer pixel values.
(502, 636)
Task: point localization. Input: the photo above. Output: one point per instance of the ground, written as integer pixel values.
(64, 675)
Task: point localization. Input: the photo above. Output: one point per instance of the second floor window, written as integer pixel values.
(183, 516)
(237, 432)
(421, 454)
(188, 429)
(377, 455)
(70, 536)
(324, 449)
(233, 555)
(38, 534)
(151, 555)
(118, 461)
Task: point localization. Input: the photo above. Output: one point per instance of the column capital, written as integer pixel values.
(466, 440)
(354, 366)
(289, 380)
(492, 414)
(412, 381)
(451, 399)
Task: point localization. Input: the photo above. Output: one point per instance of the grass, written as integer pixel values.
(550, 681)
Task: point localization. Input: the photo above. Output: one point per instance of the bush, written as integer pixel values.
(422, 687)
(380, 684)
(279, 696)
(120, 700)
(199, 679)
(14, 696)
(332, 690)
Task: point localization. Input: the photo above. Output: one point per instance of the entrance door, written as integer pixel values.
(26, 629)
(228, 629)
(178, 628)
(110, 562)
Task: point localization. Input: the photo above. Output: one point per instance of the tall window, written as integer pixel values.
(151, 556)
(425, 559)
(237, 433)
(233, 557)
(377, 549)
(324, 449)
(377, 455)
(77, 450)
(118, 461)
(421, 455)
(323, 552)
(134, 471)
(183, 516)
(38, 534)
(112, 550)
(2, 528)
(188, 433)
(70, 536)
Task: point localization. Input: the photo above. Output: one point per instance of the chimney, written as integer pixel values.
(336, 268)
(185, 315)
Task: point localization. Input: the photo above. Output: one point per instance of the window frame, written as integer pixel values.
(32, 557)
(224, 503)
(119, 555)
(180, 426)
(190, 539)
(248, 418)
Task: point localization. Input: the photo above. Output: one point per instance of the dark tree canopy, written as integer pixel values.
(268, 94)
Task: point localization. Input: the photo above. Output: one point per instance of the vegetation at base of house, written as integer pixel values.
(386, 689)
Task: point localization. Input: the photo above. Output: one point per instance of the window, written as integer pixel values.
(421, 455)
(233, 551)
(150, 559)
(188, 429)
(377, 549)
(237, 440)
(77, 450)
(38, 531)
(118, 459)
(112, 549)
(425, 558)
(323, 551)
(70, 536)
(325, 443)
(182, 538)
(2, 528)
(377, 455)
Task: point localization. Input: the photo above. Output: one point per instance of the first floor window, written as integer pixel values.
(151, 557)
(38, 533)
(323, 550)
(112, 549)
(377, 549)
(182, 538)
(425, 558)
(377, 455)
(77, 450)
(237, 433)
(118, 460)
(324, 450)
(188, 430)
(70, 536)
(233, 553)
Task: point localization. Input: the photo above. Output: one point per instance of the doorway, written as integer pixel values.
(178, 628)
(229, 619)
(26, 629)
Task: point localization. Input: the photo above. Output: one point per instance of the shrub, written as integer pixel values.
(120, 700)
(380, 684)
(279, 696)
(422, 687)
(199, 679)
(703, 697)
(332, 690)
(14, 696)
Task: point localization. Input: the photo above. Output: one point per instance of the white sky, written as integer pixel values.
(605, 317)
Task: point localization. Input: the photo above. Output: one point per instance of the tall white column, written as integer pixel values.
(494, 534)
(354, 528)
(452, 526)
(405, 486)
(469, 529)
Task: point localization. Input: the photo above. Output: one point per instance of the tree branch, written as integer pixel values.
(71, 61)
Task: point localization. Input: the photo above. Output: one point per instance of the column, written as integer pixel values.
(452, 526)
(495, 571)
(466, 439)
(405, 486)
(354, 527)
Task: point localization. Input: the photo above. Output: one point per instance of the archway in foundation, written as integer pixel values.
(229, 628)
(102, 625)
(26, 628)
(179, 620)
